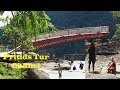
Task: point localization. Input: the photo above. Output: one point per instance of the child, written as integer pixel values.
(112, 66)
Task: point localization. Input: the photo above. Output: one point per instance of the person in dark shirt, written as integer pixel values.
(72, 60)
(81, 65)
(74, 68)
(92, 56)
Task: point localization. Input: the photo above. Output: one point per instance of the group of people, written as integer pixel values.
(71, 63)
(74, 67)
(92, 59)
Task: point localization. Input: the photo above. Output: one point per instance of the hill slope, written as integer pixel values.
(78, 19)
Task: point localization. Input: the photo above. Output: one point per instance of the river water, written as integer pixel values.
(67, 74)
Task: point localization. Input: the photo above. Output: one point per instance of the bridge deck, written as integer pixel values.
(70, 35)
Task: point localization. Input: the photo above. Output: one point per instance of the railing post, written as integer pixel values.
(61, 33)
(68, 32)
(52, 33)
(100, 29)
(49, 34)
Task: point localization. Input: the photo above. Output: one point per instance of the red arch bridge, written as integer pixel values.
(69, 35)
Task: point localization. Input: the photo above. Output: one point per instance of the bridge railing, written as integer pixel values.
(74, 31)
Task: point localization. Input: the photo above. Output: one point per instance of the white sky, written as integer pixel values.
(5, 14)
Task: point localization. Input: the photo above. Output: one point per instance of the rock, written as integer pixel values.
(37, 74)
(63, 68)
(102, 76)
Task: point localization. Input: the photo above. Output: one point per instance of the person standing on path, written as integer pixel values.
(59, 71)
(92, 56)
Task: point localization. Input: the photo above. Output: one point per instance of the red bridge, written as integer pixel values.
(69, 35)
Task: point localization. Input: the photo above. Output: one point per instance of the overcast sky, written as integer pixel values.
(5, 14)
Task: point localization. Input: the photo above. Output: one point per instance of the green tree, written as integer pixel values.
(26, 25)
(116, 17)
(117, 33)
(11, 73)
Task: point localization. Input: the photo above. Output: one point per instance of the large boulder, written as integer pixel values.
(37, 74)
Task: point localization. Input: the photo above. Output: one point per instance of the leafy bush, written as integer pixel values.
(11, 73)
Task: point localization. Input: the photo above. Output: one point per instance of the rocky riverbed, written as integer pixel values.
(101, 67)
